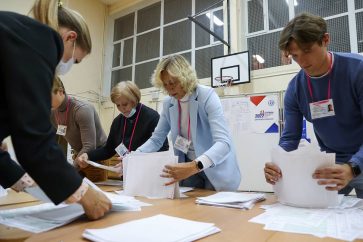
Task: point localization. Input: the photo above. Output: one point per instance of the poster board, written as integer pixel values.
(254, 124)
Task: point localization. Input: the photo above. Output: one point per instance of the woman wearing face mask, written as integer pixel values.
(77, 121)
(130, 129)
(29, 54)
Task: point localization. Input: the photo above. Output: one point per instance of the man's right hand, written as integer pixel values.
(80, 161)
(95, 204)
(272, 173)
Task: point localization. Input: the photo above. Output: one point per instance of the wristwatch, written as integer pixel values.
(199, 165)
(355, 168)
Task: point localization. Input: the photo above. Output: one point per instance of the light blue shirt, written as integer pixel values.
(209, 133)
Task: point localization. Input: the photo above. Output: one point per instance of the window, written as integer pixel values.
(264, 29)
(143, 37)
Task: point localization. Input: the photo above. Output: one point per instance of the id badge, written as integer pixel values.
(61, 130)
(121, 150)
(322, 109)
(182, 144)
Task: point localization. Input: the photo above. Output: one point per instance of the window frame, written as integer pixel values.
(109, 43)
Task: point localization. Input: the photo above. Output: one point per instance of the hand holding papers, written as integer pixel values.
(240, 200)
(159, 228)
(141, 172)
(297, 187)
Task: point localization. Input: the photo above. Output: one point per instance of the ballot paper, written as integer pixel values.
(42, 217)
(158, 228)
(38, 193)
(109, 168)
(3, 192)
(110, 182)
(343, 222)
(47, 216)
(297, 187)
(141, 173)
(120, 202)
(241, 200)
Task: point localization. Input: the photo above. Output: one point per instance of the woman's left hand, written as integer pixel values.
(179, 171)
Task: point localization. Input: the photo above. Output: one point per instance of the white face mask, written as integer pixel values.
(132, 112)
(64, 67)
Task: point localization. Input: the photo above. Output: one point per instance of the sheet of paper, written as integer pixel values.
(38, 193)
(41, 218)
(3, 192)
(241, 200)
(110, 182)
(297, 187)
(185, 189)
(120, 202)
(141, 172)
(158, 228)
(109, 168)
(340, 223)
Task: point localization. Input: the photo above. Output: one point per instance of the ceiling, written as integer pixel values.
(109, 2)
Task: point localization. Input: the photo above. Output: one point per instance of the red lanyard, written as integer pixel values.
(133, 130)
(66, 117)
(309, 81)
(179, 124)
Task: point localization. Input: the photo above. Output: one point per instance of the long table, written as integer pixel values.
(233, 222)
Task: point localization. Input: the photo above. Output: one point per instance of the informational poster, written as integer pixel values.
(253, 114)
(265, 114)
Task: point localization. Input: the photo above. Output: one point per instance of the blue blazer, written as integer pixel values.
(209, 133)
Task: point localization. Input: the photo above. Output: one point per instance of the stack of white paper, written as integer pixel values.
(141, 172)
(297, 187)
(40, 218)
(342, 222)
(159, 228)
(120, 202)
(108, 168)
(124, 203)
(242, 200)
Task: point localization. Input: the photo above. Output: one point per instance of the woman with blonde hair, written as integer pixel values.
(130, 129)
(32, 50)
(193, 113)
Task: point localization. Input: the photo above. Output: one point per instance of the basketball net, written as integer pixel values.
(224, 81)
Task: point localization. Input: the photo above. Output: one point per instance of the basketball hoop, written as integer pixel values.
(224, 81)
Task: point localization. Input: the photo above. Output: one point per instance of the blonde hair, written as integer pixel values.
(58, 85)
(178, 67)
(127, 89)
(55, 15)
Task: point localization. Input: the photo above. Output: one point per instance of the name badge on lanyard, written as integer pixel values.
(62, 130)
(121, 149)
(182, 143)
(322, 109)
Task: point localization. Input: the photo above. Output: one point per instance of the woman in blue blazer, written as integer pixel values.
(193, 113)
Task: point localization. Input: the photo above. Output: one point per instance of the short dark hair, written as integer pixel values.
(306, 29)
